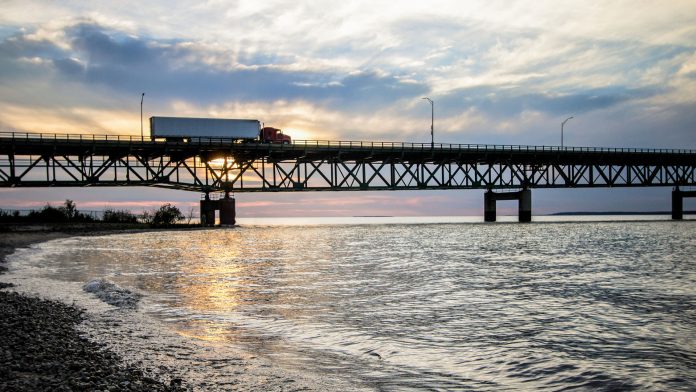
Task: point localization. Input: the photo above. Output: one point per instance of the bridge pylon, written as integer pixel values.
(678, 202)
(524, 198)
(226, 205)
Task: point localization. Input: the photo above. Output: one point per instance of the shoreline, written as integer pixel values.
(42, 348)
(127, 340)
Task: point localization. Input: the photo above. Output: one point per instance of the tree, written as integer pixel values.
(189, 217)
(69, 209)
(147, 216)
(166, 215)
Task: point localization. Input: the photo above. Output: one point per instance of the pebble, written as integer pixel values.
(41, 350)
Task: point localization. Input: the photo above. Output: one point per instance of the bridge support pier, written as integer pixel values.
(489, 206)
(525, 205)
(227, 209)
(678, 202)
(524, 198)
(208, 211)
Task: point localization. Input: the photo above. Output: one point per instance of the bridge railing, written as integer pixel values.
(487, 147)
(68, 136)
(329, 144)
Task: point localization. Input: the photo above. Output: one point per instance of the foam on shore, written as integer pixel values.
(112, 294)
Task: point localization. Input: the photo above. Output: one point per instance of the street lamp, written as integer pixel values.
(562, 124)
(142, 97)
(432, 122)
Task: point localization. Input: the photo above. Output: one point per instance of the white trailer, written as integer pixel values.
(187, 127)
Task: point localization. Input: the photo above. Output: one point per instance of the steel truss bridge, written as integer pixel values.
(223, 165)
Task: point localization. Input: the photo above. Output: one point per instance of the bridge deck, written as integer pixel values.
(105, 160)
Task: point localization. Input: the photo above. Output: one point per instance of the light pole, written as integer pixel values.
(562, 124)
(432, 122)
(142, 98)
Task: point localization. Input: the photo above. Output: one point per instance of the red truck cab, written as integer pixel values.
(274, 135)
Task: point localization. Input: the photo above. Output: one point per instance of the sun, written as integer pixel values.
(220, 162)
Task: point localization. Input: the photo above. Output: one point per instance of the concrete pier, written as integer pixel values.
(678, 202)
(227, 209)
(489, 211)
(524, 198)
(208, 211)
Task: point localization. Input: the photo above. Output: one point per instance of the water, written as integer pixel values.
(552, 305)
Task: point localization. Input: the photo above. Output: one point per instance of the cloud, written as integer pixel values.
(115, 48)
(499, 72)
(507, 103)
(23, 57)
(179, 70)
(69, 66)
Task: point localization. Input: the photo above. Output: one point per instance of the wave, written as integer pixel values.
(112, 294)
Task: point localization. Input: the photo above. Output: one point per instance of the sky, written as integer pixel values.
(499, 72)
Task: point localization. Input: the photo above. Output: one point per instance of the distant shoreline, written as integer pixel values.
(585, 213)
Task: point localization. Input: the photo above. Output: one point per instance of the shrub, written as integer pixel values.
(119, 216)
(66, 213)
(146, 217)
(48, 214)
(11, 217)
(167, 215)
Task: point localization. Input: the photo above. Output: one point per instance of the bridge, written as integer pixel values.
(218, 166)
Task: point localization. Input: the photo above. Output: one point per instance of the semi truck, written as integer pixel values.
(185, 128)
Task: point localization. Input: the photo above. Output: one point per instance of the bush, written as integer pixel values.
(167, 215)
(119, 216)
(48, 214)
(146, 217)
(11, 217)
(67, 213)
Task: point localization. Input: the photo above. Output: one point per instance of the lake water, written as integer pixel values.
(419, 303)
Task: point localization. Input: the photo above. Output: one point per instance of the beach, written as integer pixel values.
(67, 342)
(42, 350)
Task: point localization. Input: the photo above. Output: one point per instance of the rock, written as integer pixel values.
(41, 350)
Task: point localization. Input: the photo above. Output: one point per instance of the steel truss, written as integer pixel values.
(268, 175)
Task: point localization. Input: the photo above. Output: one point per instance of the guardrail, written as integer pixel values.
(58, 137)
